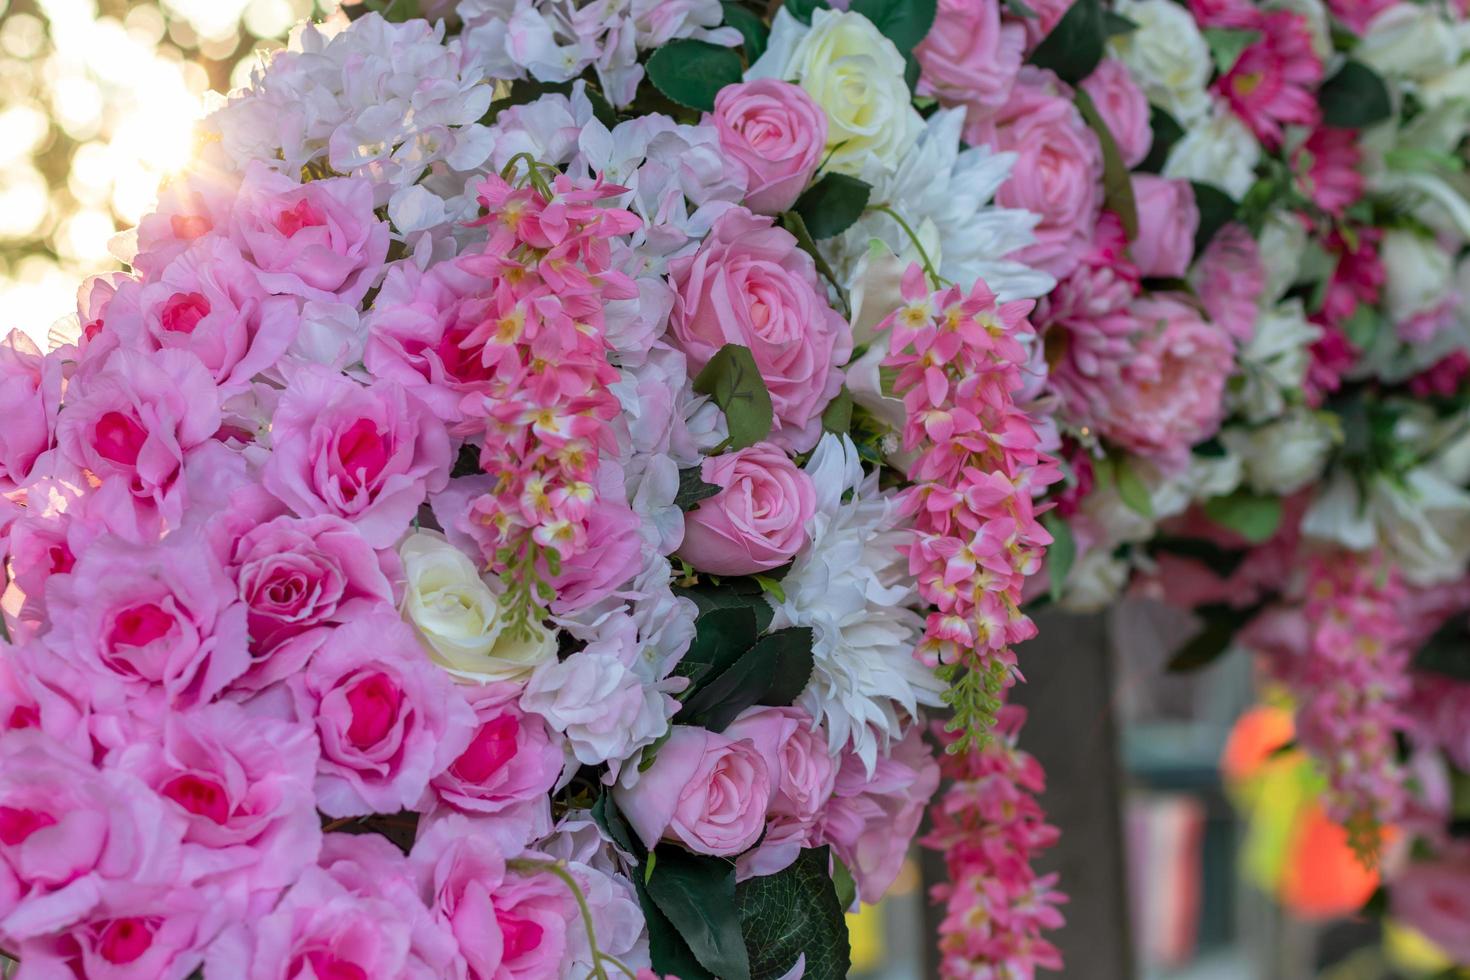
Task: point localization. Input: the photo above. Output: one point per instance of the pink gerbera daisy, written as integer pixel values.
(1327, 169)
(1273, 81)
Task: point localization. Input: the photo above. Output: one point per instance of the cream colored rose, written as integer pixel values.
(1420, 273)
(1220, 151)
(1167, 56)
(856, 75)
(460, 619)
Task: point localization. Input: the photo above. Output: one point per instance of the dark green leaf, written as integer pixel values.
(1019, 8)
(721, 636)
(468, 461)
(697, 895)
(802, 9)
(753, 31)
(1062, 552)
(1075, 45)
(1216, 209)
(1217, 559)
(733, 382)
(793, 223)
(731, 593)
(1167, 132)
(1355, 97)
(606, 815)
(1213, 639)
(791, 913)
(1253, 517)
(667, 949)
(1131, 488)
(1116, 23)
(692, 488)
(904, 22)
(1447, 652)
(843, 882)
(774, 671)
(837, 416)
(692, 72)
(1226, 44)
(1117, 182)
(832, 204)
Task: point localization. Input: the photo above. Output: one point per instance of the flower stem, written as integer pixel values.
(559, 868)
(935, 278)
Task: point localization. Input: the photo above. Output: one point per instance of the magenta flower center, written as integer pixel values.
(374, 701)
(183, 311)
(140, 626)
(494, 745)
(124, 940)
(18, 823)
(201, 795)
(303, 215)
(118, 438)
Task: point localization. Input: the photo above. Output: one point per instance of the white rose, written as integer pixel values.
(1220, 151)
(1273, 362)
(1424, 522)
(1283, 456)
(856, 75)
(1094, 582)
(1283, 239)
(460, 620)
(1419, 274)
(1167, 56)
(1409, 41)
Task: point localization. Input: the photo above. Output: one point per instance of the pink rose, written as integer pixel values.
(208, 302)
(190, 206)
(1167, 220)
(1048, 13)
(614, 551)
(750, 285)
(30, 394)
(511, 760)
(706, 791)
(388, 719)
(295, 573)
(132, 424)
(243, 786)
(1123, 107)
(758, 519)
(777, 132)
(1434, 898)
(369, 455)
(68, 831)
(802, 778)
(134, 933)
(162, 619)
(969, 56)
(872, 817)
(319, 240)
(1058, 170)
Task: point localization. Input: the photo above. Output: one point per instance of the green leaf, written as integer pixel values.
(771, 586)
(791, 913)
(1253, 517)
(1115, 23)
(1061, 554)
(1354, 98)
(697, 895)
(802, 9)
(692, 72)
(1213, 639)
(1131, 488)
(1216, 209)
(1019, 8)
(667, 949)
(1167, 132)
(733, 382)
(692, 488)
(837, 416)
(844, 883)
(904, 22)
(831, 205)
(1117, 183)
(721, 637)
(1226, 44)
(606, 815)
(1075, 45)
(753, 31)
(732, 593)
(1447, 652)
(773, 672)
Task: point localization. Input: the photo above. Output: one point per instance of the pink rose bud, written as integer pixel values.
(777, 132)
(1167, 221)
(1123, 107)
(705, 791)
(970, 57)
(758, 519)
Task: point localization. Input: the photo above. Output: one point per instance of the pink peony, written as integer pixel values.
(1229, 279)
(1123, 107)
(758, 519)
(1058, 168)
(319, 240)
(706, 791)
(159, 620)
(30, 395)
(1104, 281)
(388, 720)
(1167, 221)
(802, 777)
(970, 57)
(511, 760)
(749, 284)
(367, 454)
(777, 132)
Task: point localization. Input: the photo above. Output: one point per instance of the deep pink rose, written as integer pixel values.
(777, 132)
(30, 394)
(872, 817)
(1123, 107)
(750, 285)
(511, 761)
(133, 423)
(1434, 898)
(319, 240)
(162, 619)
(387, 718)
(1058, 168)
(369, 455)
(1167, 220)
(708, 792)
(68, 831)
(758, 519)
(243, 786)
(295, 573)
(134, 933)
(208, 302)
(970, 57)
(802, 772)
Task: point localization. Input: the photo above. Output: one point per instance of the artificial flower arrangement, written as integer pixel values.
(524, 505)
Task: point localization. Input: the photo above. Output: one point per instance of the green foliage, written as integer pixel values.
(774, 671)
(731, 593)
(1447, 652)
(1227, 43)
(1112, 471)
(831, 205)
(802, 9)
(1117, 183)
(1167, 132)
(904, 22)
(1075, 45)
(791, 913)
(1354, 98)
(1219, 623)
(696, 894)
(1249, 515)
(721, 635)
(837, 416)
(692, 72)
(753, 31)
(1061, 554)
(734, 383)
(1216, 209)
(692, 488)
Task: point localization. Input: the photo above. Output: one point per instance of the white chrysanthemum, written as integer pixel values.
(943, 193)
(852, 588)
